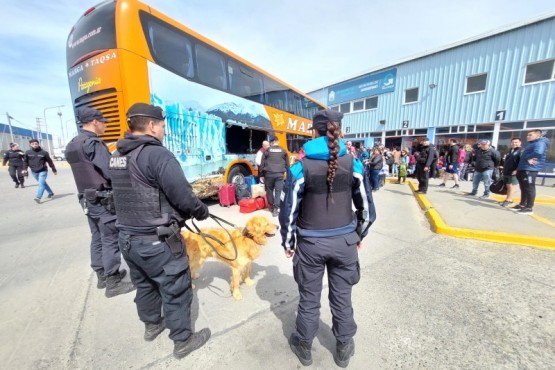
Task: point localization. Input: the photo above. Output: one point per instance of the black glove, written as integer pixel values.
(202, 213)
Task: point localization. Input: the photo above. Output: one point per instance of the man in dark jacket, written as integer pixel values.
(273, 167)
(89, 157)
(15, 157)
(452, 164)
(153, 199)
(509, 170)
(36, 159)
(424, 161)
(531, 162)
(485, 160)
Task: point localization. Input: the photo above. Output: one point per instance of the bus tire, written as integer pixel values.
(236, 173)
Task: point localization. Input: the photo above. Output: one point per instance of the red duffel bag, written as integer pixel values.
(248, 205)
(262, 202)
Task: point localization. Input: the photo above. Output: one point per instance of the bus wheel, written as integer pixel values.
(237, 175)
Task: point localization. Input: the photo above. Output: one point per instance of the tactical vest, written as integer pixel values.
(84, 172)
(274, 159)
(317, 212)
(139, 205)
(15, 157)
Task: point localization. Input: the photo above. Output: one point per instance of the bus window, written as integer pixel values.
(171, 49)
(245, 82)
(296, 142)
(210, 67)
(275, 94)
(241, 140)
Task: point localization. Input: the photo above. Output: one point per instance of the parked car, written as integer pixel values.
(59, 154)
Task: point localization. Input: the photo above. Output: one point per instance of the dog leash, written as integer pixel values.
(205, 236)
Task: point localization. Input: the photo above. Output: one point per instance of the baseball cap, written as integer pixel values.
(322, 117)
(146, 110)
(483, 141)
(86, 115)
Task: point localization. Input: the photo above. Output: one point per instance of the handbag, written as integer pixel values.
(498, 187)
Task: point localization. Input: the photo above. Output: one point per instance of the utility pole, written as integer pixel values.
(10, 124)
(38, 129)
(45, 124)
(62, 126)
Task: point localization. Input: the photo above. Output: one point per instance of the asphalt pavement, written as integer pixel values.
(424, 301)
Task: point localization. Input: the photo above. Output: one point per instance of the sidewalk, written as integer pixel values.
(453, 212)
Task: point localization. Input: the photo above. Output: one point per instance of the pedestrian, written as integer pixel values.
(451, 164)
(351, 149)
(485, 160)
(321, 232)
(424, 161)
(153, 199)
(510, 165)
(531, 162)
(36, 159)
(258, 159)
(465, 167)
(375, 165)
(396, 161)
(273, 167)
(89, 160)
(15, 158)
(403, 167)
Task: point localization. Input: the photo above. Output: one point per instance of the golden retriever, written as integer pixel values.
(249, 242)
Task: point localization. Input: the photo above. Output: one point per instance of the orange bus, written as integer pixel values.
(219, 107)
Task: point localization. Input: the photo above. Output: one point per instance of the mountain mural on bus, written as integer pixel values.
(196, 119)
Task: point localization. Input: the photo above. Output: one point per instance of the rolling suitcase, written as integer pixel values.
(258, 190)
(226, 195)
(248, 205)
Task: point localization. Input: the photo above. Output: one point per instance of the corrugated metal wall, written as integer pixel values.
(504, 57)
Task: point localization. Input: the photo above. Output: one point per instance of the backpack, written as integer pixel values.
(389, 160)
(242, 191)
(412, 160)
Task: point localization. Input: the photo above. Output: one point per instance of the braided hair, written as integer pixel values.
(333, 145)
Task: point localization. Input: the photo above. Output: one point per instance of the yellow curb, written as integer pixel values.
(544, 220)
(439, 227)
(501, 198)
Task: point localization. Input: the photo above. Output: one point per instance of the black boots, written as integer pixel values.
(101, 284)
(114, 286)
(301, 349)
(344, 352)
(195, 341)
(275, 211)
(153, 330)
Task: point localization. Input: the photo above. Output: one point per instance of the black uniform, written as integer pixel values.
(89, 157)
(273, 166)
(151, 194)
(426, 155)
(15, 157)
(324, 235)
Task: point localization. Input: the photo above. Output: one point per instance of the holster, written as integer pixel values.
(107, 200)
(90, 195)
(172, 237)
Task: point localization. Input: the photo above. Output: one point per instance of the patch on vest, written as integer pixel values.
(118, 163)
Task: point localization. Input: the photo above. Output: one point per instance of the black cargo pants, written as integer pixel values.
(16, 175)
(274, 186)
(339, 256)
(105, 253)
(162, 280)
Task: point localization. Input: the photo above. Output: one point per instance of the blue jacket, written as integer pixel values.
(293, 190)
(535, 149)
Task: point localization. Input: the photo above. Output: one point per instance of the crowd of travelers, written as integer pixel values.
(479, 162)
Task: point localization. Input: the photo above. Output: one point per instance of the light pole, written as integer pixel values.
(62, 126)
(46, 126)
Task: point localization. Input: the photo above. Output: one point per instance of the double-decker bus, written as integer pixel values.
(219, 107)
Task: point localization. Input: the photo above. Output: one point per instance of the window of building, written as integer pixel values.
(485, 127)
(540, 71)
(442, 130)
(391, 133)
(540, 124)
(371, 103)
(507, 126)
(476, 83)
(358, 105)
(335, 108)
(375, 134)
(421, 131)
(411, 95)
(345, 107)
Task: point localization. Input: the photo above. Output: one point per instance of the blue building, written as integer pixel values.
(494, 86)
(21, 136)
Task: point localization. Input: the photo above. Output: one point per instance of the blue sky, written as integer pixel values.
(307, 43)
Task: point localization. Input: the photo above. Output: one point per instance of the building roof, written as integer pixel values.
(492, 33)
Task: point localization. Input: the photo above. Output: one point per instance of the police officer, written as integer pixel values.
(89, 157)
(15, 157)
(320, 230)
(273, 166)
(424, 163)
(153, 199)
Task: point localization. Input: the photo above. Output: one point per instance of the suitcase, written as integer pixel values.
(249, 181)
(248, 205)
(262, 202)
(258, 190)
(226, 195)
(242, 191)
